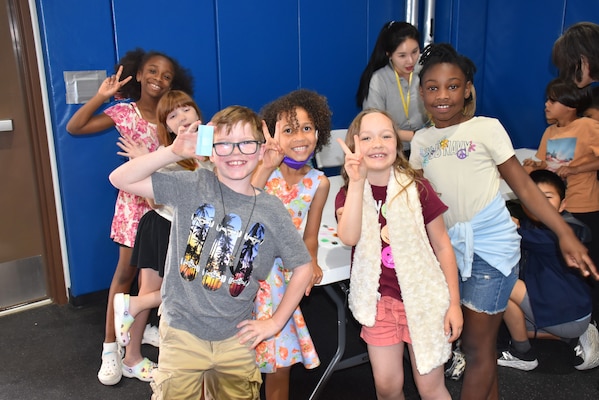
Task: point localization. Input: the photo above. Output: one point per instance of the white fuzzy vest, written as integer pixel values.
(423, 286)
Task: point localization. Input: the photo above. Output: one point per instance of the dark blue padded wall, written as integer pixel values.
(518, 66)
(258, 51)
(337, 39)
(239, 53)
(580, 10)
(189, 37)
(78, 35)
(331, 59)
(510, 42)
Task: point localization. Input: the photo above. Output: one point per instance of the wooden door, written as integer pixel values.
(30, 263)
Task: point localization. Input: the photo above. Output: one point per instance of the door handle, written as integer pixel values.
(5, 125)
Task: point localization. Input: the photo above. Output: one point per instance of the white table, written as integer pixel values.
(334, 258)
(521, 154)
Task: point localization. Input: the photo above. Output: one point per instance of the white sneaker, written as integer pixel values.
(151, 336)
(110, 372)
(511, 359)
(588, 348)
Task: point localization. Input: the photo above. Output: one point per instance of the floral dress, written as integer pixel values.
(293, 343)
(129, 208)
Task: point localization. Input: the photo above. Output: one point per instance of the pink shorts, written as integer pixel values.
(390, 325)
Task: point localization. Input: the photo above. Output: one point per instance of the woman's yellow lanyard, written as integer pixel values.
(404, 102)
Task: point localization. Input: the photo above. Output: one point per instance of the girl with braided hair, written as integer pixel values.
(464, 157)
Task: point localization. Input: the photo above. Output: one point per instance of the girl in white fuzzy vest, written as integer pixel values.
(404, 279)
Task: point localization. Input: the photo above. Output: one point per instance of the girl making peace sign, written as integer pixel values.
(146, 77)
(404, 270)
(301, 122)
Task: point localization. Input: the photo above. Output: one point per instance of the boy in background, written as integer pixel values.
(550, 300)
(570, 148)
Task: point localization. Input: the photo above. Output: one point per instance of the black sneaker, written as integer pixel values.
(522, 361)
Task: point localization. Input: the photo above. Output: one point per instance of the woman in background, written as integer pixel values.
(390, 80)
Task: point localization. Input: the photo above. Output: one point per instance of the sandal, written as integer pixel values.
(122, 318)
(111, 371)
(142, 370)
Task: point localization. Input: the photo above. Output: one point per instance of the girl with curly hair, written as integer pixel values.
(301, 125)
(147, 76)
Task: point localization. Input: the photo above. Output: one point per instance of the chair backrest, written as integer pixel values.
(332, 155)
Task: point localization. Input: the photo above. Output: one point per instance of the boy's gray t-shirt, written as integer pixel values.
(207, 309)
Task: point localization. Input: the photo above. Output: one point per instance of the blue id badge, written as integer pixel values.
(205, 140)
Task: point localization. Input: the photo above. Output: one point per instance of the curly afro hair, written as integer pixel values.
(315, 105)
(134, 61)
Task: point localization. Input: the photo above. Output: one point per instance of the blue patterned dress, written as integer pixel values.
(293, 343)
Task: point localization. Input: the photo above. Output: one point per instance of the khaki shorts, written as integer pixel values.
(188, 366)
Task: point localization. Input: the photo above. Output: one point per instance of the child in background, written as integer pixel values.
(147, 76)
(592, 110)
(175, 110)
(404, 271)
(463, 157)
(564, 105)
(301, 123)
(550, 301)
(390, 80)
(570, 148)
(225, 237)
(576, 53)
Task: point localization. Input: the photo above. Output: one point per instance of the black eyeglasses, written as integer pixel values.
(246, 147)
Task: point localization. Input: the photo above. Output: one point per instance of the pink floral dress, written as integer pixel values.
(293, 343)
(130, 208)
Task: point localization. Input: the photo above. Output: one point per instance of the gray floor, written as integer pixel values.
(53, 352)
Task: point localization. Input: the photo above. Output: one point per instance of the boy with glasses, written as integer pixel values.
(224, 238)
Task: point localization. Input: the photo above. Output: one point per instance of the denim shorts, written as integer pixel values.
(487, 290)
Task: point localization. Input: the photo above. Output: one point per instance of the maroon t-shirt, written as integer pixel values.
(432, 207)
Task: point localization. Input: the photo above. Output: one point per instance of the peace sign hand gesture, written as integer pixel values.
(273, 154)
(111, 85)
(354, 164)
